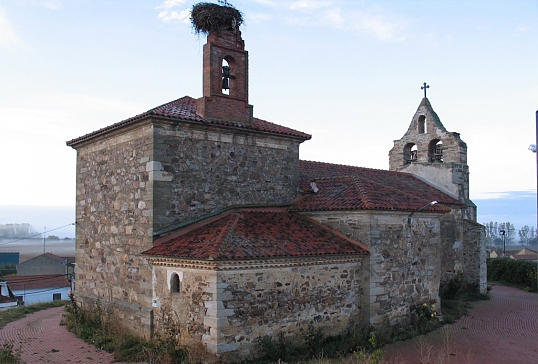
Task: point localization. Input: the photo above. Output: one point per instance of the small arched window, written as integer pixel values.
(226, 77)
(175, 283)
(410, 153)
(435, 151)
(422, 124)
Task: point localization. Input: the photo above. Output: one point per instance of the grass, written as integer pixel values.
(9, 355)
(456, 307)
(19, 312)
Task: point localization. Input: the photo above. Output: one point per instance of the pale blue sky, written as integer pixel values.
(347, 72)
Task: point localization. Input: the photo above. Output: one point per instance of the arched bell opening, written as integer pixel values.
(435, 151)
(228, 67)
(422, 124)
(410, 153)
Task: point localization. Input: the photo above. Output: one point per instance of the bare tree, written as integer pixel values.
(492, 231)
(524, 233)
(8, 231)
(510, 231)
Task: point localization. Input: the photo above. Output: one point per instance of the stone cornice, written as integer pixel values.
(229, 265)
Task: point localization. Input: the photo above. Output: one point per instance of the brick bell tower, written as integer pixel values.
(225, 76)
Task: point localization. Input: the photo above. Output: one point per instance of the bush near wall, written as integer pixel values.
(521, 273)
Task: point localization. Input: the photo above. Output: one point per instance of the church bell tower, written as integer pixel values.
(225, 71)
(433, 154)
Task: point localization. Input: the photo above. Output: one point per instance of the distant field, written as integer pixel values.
(30, 248)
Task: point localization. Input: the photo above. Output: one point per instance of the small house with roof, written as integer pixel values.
(47, 263)
(197, 212)
(38, 288)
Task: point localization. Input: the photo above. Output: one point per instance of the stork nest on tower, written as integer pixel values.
(208, 17)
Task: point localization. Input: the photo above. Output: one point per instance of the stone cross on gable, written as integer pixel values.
(424, 87)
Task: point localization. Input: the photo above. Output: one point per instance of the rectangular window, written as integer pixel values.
(56, 296)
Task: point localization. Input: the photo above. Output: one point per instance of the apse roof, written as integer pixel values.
(250, 234)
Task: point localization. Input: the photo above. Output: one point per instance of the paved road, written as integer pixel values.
(42, 340)
(501, 330)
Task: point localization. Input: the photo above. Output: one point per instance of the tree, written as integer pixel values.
(492, 231)
(10, 231)
(510, 231)
(526, 234)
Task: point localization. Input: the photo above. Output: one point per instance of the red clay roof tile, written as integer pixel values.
(355, 188)
(37, 281)
(256, 234)
(185, 109)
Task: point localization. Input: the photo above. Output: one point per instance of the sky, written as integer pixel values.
(348, 72)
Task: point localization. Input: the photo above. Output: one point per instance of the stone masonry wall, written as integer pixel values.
(452, 246)
(475, 255)
(405, 263)
(228, 311)
(198, 171)
(188, 308)
(114, 224)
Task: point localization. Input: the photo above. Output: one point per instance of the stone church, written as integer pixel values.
(197, 212)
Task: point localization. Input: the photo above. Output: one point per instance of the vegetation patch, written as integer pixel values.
(100, 328)
(9, 355)
(520, 273)
(456, 296)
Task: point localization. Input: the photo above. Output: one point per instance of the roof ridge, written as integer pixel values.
(364, 197)
(223, 238)
(356, 167)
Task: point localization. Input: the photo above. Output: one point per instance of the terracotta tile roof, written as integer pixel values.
(185, 109)
(247, 234)
(39, 281)
(355, 188)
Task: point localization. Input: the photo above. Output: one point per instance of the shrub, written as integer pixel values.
(424, 317)
(520, 273)
(280, 349)
(100, 328)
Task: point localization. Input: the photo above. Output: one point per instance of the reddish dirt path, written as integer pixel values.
(42, 340)
(501, 330)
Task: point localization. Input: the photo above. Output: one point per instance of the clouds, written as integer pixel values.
(363, 20)
(8, 38)
(310, 4)
(52, 4)
(168, 15)
(378, 26)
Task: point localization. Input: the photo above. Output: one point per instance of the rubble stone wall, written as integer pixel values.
(405, 261)
(228, 310)
(114, 224)
(197, 171)
(475, 255)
